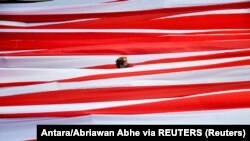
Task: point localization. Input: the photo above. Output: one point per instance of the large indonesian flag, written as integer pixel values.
(190, 58)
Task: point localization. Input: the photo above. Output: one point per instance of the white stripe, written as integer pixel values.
(79, 6)
(232, 116)
(24, 24)
(112, 30)
(32, 74)
(24, 130)
(94, 105)
(93, 60)
(231, 74)
(211, 12)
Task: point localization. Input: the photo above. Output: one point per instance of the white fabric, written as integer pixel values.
(23, 129)
(93, 60)
(177, 78)
(99, 6)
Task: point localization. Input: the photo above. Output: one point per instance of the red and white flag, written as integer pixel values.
(190, 63)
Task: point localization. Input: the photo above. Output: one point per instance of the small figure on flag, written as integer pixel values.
(122, 62)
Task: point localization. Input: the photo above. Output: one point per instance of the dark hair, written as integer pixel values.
(120, 61)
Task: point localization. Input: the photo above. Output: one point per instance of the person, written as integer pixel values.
(122, 62)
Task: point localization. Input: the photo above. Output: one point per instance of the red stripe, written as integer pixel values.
(127, 48)
(40, 40)
(212, 102)
(144, 21)
(18, 84)
(199, 103)
(118, 93)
